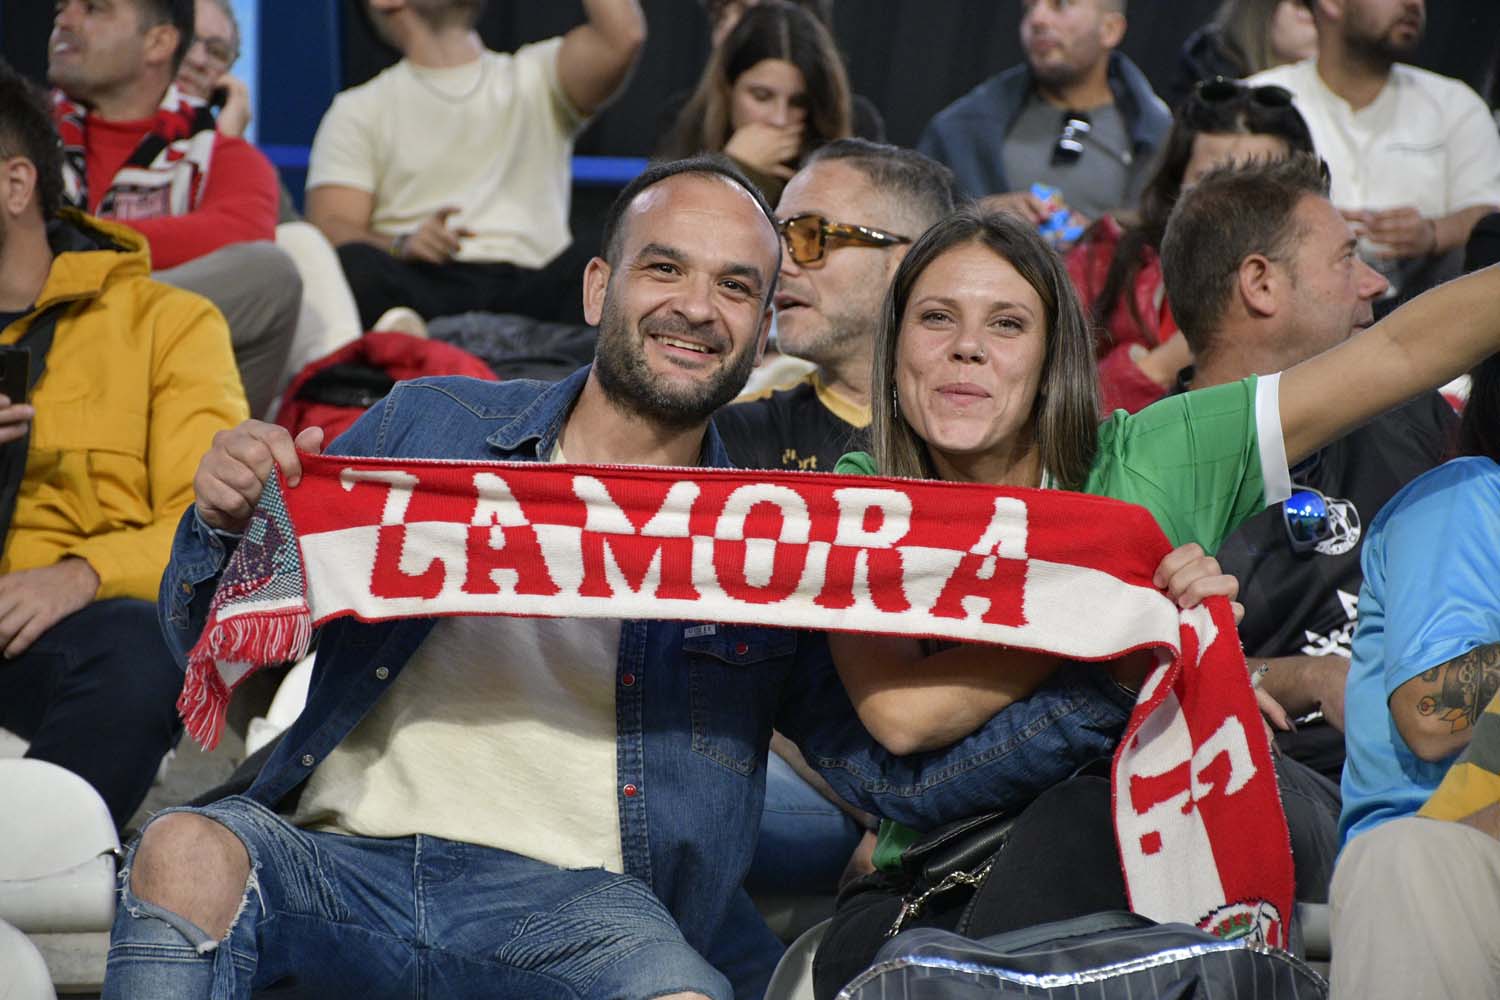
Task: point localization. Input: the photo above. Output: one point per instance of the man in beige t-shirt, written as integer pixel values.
(444, 181)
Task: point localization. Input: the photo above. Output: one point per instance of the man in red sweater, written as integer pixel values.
(138, 152)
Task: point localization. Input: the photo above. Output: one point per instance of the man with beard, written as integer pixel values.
(1076, 116)
(847, 218)
(1415, 156)
(490, 806)
(137, 150)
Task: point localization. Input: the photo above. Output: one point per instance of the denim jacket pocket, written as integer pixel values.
(727, 687)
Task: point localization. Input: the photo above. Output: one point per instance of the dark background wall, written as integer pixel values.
(911, 57)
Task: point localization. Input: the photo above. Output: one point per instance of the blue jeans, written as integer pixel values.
(805, 840)
(331, 916)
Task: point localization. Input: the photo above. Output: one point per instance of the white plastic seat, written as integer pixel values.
(793, 979)
(23, 973)
(58, 853)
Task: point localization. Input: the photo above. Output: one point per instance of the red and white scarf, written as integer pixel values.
(1197, 812)
(166, 174)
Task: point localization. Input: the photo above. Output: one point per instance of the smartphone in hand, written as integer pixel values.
(15, 368)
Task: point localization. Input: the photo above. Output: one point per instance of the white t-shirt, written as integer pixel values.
(493, 137)
(1427, 141)
(499, 732)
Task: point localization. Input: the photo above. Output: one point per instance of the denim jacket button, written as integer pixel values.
(308, 760)
(381, 673)
(628, 680)
(741, 648)
(186, 588)
(630, 791)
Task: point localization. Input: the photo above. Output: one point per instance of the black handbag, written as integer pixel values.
(956, 856)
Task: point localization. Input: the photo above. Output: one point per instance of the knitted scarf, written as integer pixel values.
(1198, 817)
(166, 174)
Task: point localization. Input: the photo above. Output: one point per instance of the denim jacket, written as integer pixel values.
(695, 702)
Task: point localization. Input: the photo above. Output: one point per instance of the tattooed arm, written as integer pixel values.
(1435, 711)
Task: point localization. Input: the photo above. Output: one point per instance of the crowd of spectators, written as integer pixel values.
(1212, 308)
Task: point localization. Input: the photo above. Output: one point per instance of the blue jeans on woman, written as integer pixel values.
(805, 840)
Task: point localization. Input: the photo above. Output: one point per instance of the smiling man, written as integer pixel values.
(568, 806)
(139, 152)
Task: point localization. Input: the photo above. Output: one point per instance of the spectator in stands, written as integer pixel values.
(205, 72)
(136, 151)
(841, 219)
(1263, 288)
(1076, 116)
(983, 373)
(773, 92)
(723, 15)
(1244, 38)
(445, 181)
(130, 379)
(1116, 267)
(1414, 155)
(1414, 899)
(328, 318)
(543, 895)
(847, 219)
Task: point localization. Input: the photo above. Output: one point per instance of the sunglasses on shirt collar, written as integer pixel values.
(1305, 515)
(1072, 132)
(809, 236)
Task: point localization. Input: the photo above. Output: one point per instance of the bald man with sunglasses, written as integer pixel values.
(846, 220)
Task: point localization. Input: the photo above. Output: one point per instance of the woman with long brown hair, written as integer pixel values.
(772, 92)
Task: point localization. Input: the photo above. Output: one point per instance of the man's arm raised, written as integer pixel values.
(1429, 341)
(597, 56)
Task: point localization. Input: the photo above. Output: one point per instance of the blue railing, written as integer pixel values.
(592, 171)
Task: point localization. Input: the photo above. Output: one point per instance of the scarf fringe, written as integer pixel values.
(281, 636)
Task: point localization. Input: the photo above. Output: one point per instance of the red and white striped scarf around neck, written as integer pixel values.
(1198, 817)
(164, 176)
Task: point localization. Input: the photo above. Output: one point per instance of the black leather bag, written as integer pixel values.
(951, 859)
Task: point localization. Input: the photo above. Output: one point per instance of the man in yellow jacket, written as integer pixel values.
(126, 382)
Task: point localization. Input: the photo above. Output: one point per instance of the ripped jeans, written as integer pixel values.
(329, 916)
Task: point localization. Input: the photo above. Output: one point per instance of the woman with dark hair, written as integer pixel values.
(1117, 268)
(1245, 37)
(774, 91)
(983, 372)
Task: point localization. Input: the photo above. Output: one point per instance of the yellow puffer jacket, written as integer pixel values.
(139, 378)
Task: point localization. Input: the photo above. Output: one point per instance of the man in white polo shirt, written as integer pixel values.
(444, 181)
(1415, 156)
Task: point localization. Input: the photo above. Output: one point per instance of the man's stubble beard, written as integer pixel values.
(629, 383)
(830, 345)
(1381, 50)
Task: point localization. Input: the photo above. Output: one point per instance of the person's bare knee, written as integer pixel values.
(194, 867)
